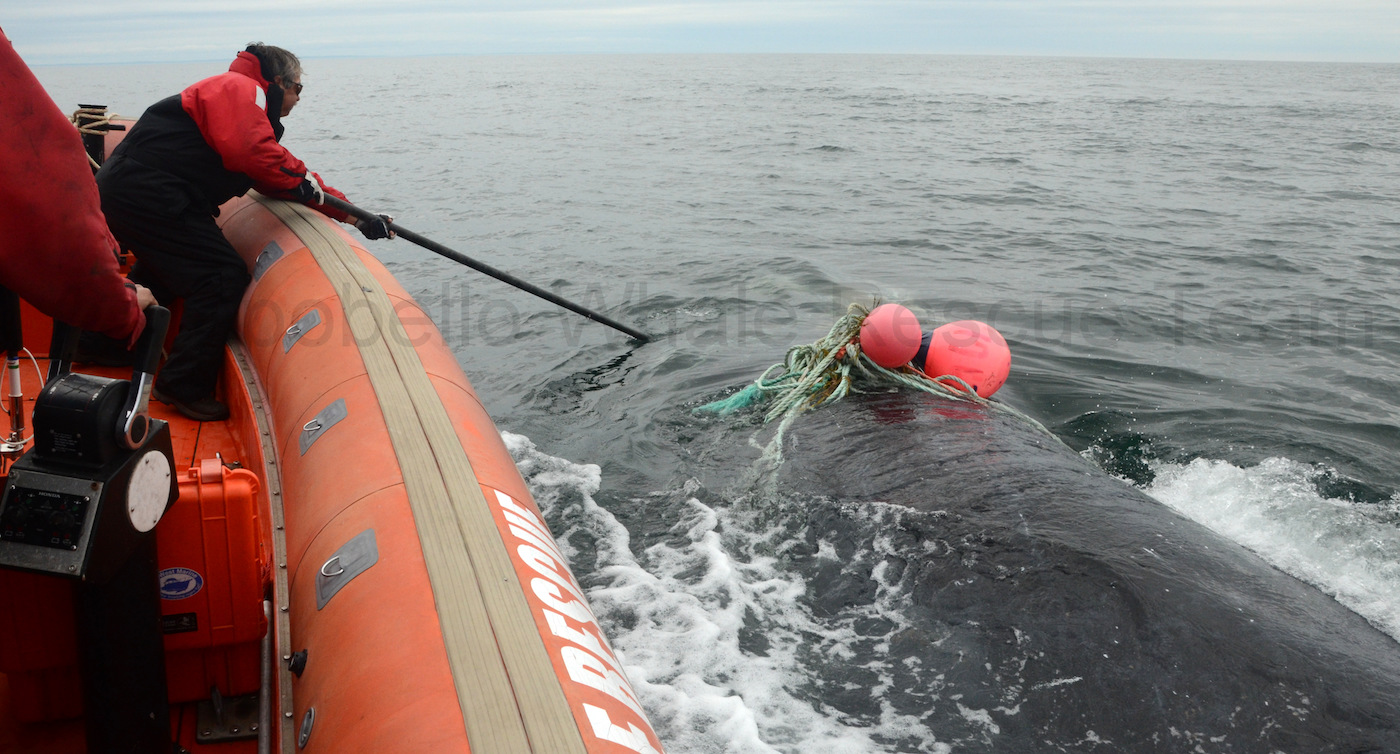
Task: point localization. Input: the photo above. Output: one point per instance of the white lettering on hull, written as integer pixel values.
(583, 651)
(587, 669)
(631, 737)
(584, 637)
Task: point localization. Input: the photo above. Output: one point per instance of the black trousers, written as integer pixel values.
(185, 256)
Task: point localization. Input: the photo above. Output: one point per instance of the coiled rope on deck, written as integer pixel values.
(824, 372)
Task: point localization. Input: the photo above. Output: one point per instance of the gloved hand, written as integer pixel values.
(376, 229)
(309, 192)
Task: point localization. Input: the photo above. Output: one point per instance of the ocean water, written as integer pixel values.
(1193, 263)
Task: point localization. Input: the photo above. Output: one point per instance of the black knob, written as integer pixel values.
(297, 663)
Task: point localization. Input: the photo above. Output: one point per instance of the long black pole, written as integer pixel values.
(504, 277)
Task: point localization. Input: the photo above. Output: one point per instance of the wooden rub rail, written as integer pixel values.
(510, 696)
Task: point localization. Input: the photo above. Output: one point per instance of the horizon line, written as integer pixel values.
(594, 53)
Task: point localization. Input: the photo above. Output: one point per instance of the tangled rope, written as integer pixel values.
(92, 121)
(811, 376)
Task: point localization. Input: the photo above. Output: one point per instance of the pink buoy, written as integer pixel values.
(971, 351)
(890, 335)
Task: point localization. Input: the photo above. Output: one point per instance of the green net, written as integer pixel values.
(811, 376)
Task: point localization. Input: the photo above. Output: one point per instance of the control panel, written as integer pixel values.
(51, 514)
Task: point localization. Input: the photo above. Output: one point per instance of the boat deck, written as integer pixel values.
(193, 442)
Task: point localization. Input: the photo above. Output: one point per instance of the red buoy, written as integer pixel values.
(971, 351)
(890, 335)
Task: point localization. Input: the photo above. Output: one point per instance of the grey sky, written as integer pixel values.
(92, 31)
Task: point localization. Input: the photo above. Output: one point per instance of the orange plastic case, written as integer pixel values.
(211, 582)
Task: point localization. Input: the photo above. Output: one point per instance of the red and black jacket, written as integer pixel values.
(212, 142)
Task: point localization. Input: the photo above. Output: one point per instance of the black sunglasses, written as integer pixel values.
(295, 87)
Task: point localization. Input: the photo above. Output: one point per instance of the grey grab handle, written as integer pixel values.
(134, 421)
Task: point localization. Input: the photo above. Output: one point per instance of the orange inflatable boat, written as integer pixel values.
(352, 563)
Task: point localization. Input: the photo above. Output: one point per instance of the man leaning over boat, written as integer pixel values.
(161, 190)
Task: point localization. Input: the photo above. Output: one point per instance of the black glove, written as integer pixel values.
(309, 192)
(377, 228)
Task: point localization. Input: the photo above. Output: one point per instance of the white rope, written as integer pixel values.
(92, 121)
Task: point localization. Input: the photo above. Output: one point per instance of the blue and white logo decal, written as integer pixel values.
(179, 583)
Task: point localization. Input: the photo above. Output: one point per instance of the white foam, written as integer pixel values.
(675, 617)
(980, 717)
(1275, 510)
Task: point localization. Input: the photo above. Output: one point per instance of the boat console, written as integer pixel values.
(83, 504)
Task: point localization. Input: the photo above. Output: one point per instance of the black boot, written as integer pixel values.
(206, 409)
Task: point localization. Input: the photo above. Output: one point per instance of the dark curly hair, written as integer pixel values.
(276, 62)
